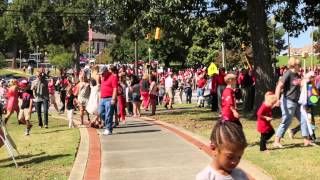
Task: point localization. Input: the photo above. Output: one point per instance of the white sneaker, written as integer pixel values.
(106, 132)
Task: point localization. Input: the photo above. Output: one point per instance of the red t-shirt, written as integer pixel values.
(108, 83)
(228, 101)
(263, 125)
(51, 87)
(202, 82)
(214, 84)
(220, 79)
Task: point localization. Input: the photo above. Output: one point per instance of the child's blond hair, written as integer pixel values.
(270, 98)
(230, 77)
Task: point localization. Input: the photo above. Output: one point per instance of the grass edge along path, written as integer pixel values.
(45, 154)
(293, 162)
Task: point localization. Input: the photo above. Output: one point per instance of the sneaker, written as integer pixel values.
(27, 132)
(277, 145)
(46, 126)
(106, 132)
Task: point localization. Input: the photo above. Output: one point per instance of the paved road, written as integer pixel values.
(142, 151)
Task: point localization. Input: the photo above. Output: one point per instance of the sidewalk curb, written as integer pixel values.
(253, 171)
(92, 171)
(88, 161)
(80, 162)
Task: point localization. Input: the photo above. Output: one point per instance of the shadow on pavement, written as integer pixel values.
(132, 126)
(136, 132)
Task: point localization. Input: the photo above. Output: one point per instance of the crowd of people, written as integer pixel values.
(110, 93)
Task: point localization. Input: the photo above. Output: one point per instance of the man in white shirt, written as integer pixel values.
(169, 89)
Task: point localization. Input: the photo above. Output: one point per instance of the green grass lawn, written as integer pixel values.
(45, 154)
(283, 60)
(14, 73)
(293, 162)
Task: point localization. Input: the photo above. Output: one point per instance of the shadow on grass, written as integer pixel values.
(137, 132)
(175, 109)
(207, 119)
(189, 112)
(37, 160)
(23, 157)
(54, 131)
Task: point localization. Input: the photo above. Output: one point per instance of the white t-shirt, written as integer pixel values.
(210, 174)
(168, 82)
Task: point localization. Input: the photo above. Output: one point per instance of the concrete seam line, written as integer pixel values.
(201, 144)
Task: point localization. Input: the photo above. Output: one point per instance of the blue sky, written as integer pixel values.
(303, 39)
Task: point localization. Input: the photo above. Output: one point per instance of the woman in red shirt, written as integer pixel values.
(264, 116)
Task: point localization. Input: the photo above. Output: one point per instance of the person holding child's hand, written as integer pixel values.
(264, 115)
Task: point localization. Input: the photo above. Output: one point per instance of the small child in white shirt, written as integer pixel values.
(228, 143)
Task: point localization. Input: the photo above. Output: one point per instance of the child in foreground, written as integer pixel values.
(264, 116)
(228, 143)
(229, 109)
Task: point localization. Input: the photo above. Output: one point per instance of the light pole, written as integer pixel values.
(273, 23)
(37, 59)
(312, 30)
(149, 51)
(20, 51)
(304, 56)
(89, 39)
(288, 45)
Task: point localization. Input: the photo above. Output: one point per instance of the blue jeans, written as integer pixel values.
(289, 109)
(200, 92)
(38, 107)
(304, 121)
(106, 111)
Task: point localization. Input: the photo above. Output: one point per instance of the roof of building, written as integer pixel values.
(104, 37)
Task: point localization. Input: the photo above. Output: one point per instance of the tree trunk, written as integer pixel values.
(76, 56)
(261, 53)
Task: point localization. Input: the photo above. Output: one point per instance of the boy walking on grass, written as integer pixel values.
(26, 106)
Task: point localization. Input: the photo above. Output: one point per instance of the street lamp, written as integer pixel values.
(273, 23)
(304, 55)
(20, 51)
(89, 39)
(149, 51)
(37, 59)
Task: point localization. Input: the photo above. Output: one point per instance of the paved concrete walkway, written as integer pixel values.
(144, 151)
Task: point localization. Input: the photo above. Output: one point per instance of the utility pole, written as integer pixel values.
(136, 57)
(223, 55)
(288, 45)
